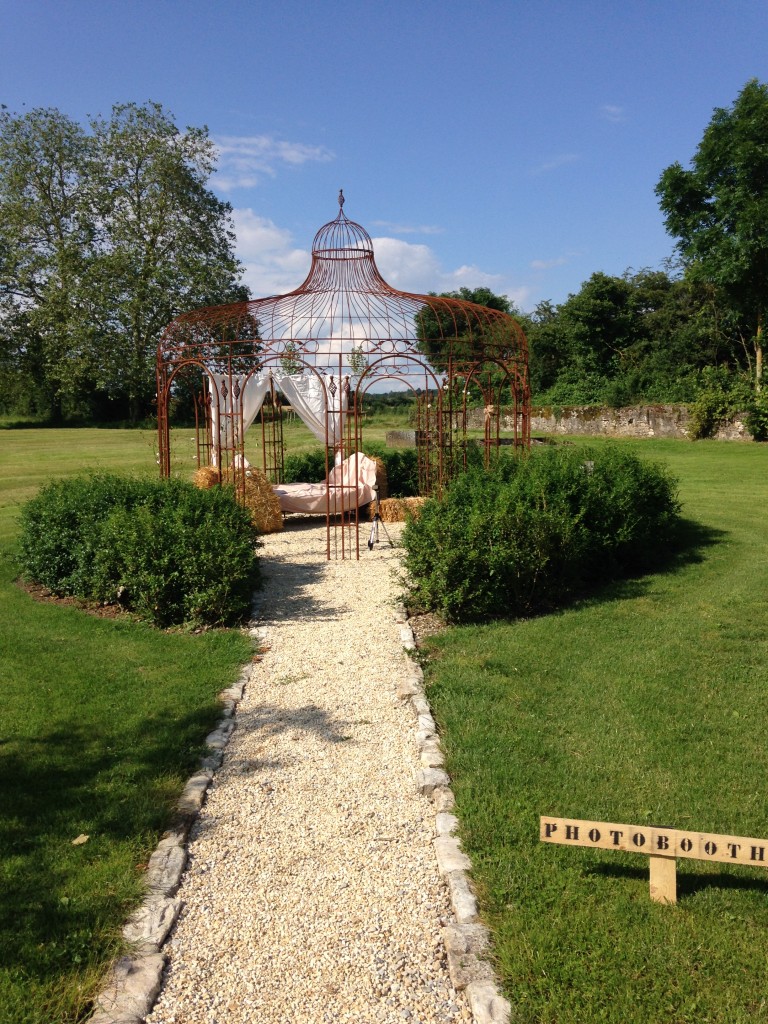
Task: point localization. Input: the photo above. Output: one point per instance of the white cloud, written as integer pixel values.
(610, 112)
(561, 160)
(416, 268)
(558, 261)
(274, 265)
(408, 229)
(470, 276)
(555, 261)
(410, 267)
(244, 160)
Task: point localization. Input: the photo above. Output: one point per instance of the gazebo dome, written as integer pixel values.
(342, 239)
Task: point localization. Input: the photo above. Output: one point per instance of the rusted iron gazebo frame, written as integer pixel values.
(350, 331)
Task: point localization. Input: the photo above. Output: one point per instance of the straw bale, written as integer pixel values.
(397, 510)
(260, 500)
(206, 477)
(381, 477)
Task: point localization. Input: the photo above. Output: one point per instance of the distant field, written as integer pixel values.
(645, 704)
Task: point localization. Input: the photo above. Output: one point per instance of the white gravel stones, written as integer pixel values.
(311, 892)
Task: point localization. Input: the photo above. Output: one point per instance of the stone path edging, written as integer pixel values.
(136, 979)
(467, 941)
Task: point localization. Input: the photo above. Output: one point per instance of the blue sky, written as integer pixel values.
(513, 145)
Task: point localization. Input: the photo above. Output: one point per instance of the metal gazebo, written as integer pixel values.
(344, 332)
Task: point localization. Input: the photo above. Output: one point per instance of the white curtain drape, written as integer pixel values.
(225, 408)
(309, 395)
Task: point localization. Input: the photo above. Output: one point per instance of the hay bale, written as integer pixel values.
(206, 477)
(397, 510)
(262, 502)
(382, 481)
(259, 498)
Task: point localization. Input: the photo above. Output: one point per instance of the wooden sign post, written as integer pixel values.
(662, 845)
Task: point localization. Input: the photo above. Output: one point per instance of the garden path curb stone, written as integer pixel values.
(135, 980)
(132, 990)
(466, 942)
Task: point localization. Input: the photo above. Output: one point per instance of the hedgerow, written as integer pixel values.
(533, 530)
(402, 468)
(166, 550)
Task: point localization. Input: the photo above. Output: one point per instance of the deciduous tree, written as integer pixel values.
(46, 249)
(105, 236)
(166, 240)
(718, 209)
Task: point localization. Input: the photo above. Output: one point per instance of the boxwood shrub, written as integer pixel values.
(306, 468)
(535, 529)
(164, 549)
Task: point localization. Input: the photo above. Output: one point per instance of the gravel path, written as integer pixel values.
(312, 892)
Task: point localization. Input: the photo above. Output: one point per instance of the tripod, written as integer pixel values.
(377, 521)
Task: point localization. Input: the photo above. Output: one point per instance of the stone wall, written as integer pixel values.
(632, 421)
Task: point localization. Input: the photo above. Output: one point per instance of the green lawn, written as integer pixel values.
(101, 723)
(645, 704)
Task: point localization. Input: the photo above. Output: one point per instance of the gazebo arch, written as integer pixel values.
(326, 344)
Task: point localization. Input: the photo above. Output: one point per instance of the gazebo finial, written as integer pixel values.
(341, 198)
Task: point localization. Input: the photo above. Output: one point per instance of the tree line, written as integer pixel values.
(693, 331)
(697, 326)
(108, 232)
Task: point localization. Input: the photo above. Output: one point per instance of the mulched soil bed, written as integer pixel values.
(424, 626)
(42, 594)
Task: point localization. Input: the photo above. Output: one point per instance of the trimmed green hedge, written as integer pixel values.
(172, 553)
(307, 468)
(534, 530)
(402, 469)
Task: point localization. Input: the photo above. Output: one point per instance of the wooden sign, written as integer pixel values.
(661, 845)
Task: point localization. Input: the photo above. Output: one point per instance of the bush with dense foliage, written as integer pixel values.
(534, 530)
(164, 549)
(402, 468)
(720, 396)
(306, 468)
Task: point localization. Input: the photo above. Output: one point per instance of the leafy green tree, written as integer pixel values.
(644, 336)
(598, 323)
(105, 236)
(578, 346)
(682, 326)
(433, 326)
(46, 248)
(167, 239)
(718, 209)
